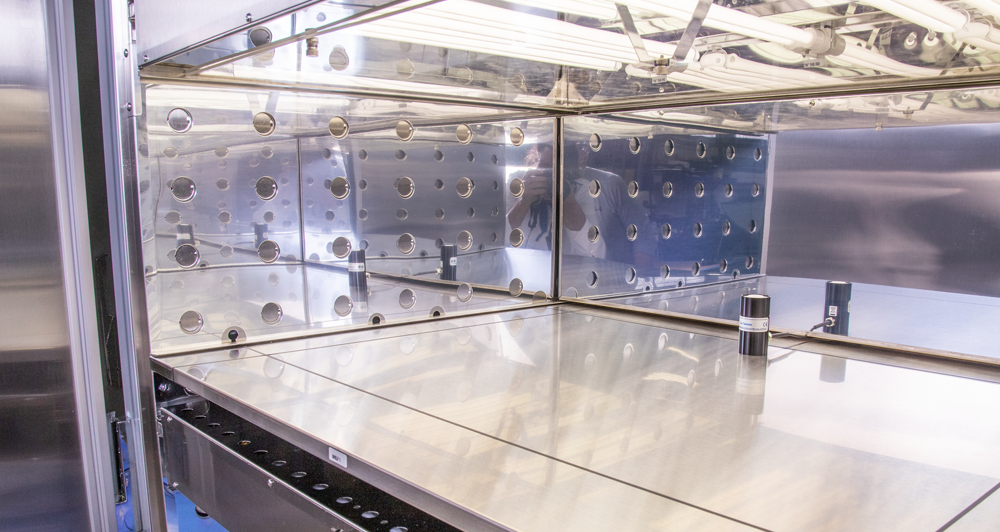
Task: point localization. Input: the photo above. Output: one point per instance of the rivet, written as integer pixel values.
(249, 18)
(126, 52)
(128, 106)
(270, 482)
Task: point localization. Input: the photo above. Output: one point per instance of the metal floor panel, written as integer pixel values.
(569, 417)
(944, 321)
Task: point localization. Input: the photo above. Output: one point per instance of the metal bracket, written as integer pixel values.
(633, 33)
(693, 27)
(664, 65)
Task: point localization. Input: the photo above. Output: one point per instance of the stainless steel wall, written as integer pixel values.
(910, 207)
(52, 455)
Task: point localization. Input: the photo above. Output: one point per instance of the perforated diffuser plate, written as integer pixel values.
(253, 227)
(652, 207)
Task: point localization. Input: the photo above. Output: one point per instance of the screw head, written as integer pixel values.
(249, 18)
(126, 52)
(128, 106)
(270, 482)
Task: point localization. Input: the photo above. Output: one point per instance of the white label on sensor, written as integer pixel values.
(833, 311)
(355, 266)
(753, 324)
(453, 261)
(338, 458)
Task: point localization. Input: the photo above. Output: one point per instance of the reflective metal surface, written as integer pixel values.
(557, 53)
(55, 459)
(235, 492)
(907, 207)
(165, 27)
(513, 418)
(234, 221)
(651, 207)
(983, 516)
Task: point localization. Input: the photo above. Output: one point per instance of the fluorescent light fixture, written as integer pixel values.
(465, 25)
(776, 53)
(988, 7)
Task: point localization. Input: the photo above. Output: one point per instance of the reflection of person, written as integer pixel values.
(612, 211)
(532, 212)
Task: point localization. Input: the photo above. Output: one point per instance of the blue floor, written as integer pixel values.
(181, 516)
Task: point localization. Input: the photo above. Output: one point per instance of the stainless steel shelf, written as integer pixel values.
(563, 417)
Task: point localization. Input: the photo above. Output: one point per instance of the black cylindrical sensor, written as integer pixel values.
(358, 279)
(837, 307)
(755, 311)
(449, 262)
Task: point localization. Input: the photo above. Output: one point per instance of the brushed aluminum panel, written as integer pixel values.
(779, 445)
(695, 202)
(54, 452)
(163, 27)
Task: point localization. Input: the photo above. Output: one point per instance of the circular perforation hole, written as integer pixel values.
(183, 189)
(664, 271)
(400, 155)
(339, 60)
(340, 187)
(697, 230)
(404, 130)
(757, 154)
(517, 187)
(633, 189)
(594, 188)
(695, 269)
(668, 147)
(516, 136)
(343, 305)
(749, 262)
(407, 298)
(753, 226)
(268, 251)
(191, 322)
(634, 145)
(592, 279)
(263, 123)
(187, 256)
(631, 232)
(516, 238)
(180, 121)
(464, 240)
(699, 190)
(595, 142)
(726, 227)
(266, 188)
(665, 231)
(630, 275)
(339, 127)
(464, 134)
(755, 190)
(516, 287)
(406, 243)
(271, 313)
(723, 265)
(701, 150)
(668, 189)
(728, 189)
(593, 234)
(464, 187)
(464, 292)
(405, 187)
(730, 153)
(341, 247)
